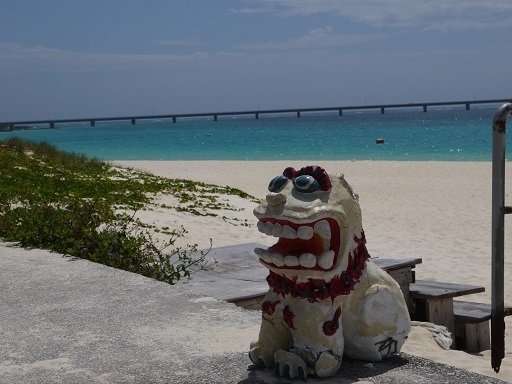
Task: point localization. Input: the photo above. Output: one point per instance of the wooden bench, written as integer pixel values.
(472, 325)
(433, 301)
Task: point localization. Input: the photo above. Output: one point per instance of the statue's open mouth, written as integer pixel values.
(313, 245)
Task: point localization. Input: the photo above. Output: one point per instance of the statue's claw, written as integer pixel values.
(302, 373)
(260, 359)
(289, 365)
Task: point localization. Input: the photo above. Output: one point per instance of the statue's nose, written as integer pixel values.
(274, 198)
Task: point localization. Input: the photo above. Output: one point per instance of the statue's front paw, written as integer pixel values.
(327, 364)
(290, 365)
(259, 357)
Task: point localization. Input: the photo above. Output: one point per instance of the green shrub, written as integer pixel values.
(70, 204)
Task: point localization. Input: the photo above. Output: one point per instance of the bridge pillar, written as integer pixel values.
(467, 106)
(340, 112)
(214, 117)
(52, 124)
(425, 108)
(257, 115)
(382, 110)
(174, 119)
(93, 123)
(298, 113)
(133, 121)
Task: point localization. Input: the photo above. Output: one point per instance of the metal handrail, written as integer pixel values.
(498, 235)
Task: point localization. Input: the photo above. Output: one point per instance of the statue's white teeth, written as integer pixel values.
(326, 260)
(288, 232)
(305, 233)
(259, 251)
(277, 229)
(291, 261)
(263, 254)
(307, 260)
(277, 259)
(323, 229)
(265, 228)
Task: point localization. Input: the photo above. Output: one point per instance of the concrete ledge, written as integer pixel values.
(65, 320)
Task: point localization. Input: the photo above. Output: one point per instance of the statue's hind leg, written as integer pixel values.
(376, 320)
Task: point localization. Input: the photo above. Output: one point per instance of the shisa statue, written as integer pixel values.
(326, 298)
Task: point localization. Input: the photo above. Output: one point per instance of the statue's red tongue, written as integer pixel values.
(296, 247)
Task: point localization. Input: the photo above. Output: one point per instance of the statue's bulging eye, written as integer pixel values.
(306, 183)
(277, 183)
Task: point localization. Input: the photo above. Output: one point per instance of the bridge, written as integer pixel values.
(11, 125)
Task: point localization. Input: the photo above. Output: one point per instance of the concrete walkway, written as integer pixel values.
(64, 320)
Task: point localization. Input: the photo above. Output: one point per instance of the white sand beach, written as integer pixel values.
(439, 211)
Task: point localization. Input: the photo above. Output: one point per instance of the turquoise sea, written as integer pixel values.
(449, 134)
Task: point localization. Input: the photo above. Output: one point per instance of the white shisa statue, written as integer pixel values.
(326, 298)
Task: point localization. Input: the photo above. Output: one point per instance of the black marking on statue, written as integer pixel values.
(389, 346)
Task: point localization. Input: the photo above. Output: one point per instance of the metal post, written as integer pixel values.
(498, 229)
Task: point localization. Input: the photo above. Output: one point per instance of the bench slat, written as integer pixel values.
(423, 289)
(472, 313)
(394, 264)
(468, 312)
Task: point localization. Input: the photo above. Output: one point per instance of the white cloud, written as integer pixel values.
(426, 14)
(44, 58)
(316, 38)
(179, 42)
(253, 10)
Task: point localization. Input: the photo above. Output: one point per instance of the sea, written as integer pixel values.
(440, 134)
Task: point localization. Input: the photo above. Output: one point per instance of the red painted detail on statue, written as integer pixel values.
(288, 317)
(331, 326)
(317, 172)
(269, 307)
(357, 258)
(318, 289)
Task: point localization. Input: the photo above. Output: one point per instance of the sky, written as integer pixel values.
(105, 58)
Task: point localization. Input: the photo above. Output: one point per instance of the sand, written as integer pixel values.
(439, 211)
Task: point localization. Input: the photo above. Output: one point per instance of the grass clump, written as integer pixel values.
(86, 208)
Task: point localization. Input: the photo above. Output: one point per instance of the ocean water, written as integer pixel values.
(448, 134)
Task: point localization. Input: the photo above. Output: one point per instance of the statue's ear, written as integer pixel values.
(347, 186)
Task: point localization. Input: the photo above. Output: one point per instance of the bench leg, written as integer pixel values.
(440, 312)
(477, 337)
(405, 290)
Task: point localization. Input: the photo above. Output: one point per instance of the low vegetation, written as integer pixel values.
(84, 207)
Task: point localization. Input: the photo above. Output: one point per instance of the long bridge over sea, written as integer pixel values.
(11, 125)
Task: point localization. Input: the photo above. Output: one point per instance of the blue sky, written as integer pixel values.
(98, 58)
